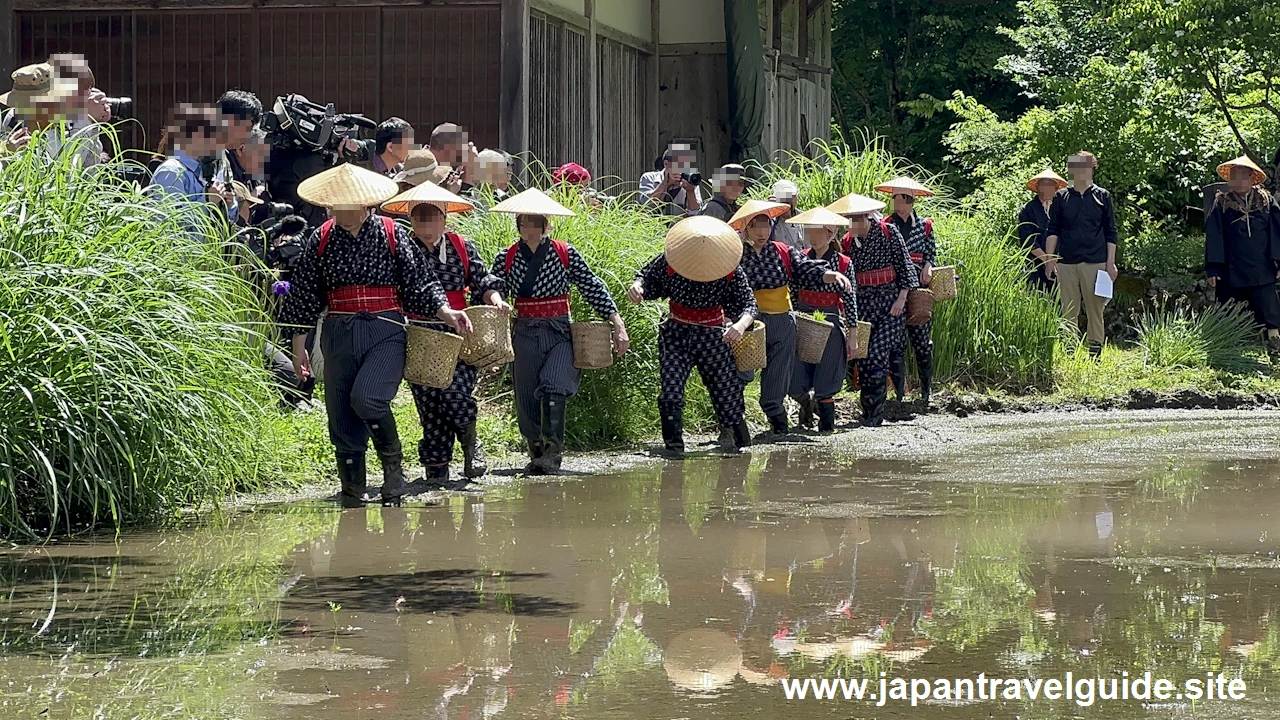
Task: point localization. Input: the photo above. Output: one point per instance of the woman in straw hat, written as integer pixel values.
(772, 269)
(448, 414)
(698, 274)
(365, 274)
(814, 387)
(537, 272)
(917, 232)
(1242, 244)
(884, 273)
(1033, 225)
(418, 167)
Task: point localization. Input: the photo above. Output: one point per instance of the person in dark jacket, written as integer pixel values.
(710, 307)
(1081, 243)
(365, 275)
(1033, 224)
(729, 182)
(1242, 244)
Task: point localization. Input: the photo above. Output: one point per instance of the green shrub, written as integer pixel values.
(131, 382)
(1159, 249)
(1172, 334)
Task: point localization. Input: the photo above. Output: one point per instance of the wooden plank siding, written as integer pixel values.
(425, 64)
(623, 133)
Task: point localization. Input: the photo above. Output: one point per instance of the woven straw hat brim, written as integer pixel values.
(753, 208)
(532, 202)
(1224, 170)
(855, 204)
(904, 184)
(427, 192)
(1048, 174)
(242, 192)
(703, 248)
(819, 216)
(347, 186)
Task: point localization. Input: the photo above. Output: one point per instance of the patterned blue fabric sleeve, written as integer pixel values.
(806, 273)
(740, 299)
(592, 287)
(420, 291)
(306, 297)
(482, 280)
(652, 277)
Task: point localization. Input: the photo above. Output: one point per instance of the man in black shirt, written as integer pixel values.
(729, 182)
(241, 111)
(1081, 242)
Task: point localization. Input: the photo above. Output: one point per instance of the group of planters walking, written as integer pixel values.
(728, 286)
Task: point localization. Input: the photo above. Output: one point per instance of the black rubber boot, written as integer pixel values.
(386, 440)
(778, 425)
(742, 435)
(673, 431)
(475, 464)
(826, 417)
(535, 454)
(553, 434)
(437, 477)
(926, 380)
(352, 474)
(807, 410)
(1095, 350)
(898, 372)
(874, 390)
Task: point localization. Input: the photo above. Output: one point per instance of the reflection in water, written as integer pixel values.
(687, 590)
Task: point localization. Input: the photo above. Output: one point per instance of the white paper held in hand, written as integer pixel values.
(1102, 286)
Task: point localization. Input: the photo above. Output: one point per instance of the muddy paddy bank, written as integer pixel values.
(1021, 546)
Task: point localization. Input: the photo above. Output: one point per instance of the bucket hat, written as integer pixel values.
(417, 168)
(36, 84)
(703, 248)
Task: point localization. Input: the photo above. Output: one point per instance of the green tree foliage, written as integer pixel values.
(894, 60)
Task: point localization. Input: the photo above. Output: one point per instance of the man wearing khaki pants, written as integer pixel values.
(1081, 241)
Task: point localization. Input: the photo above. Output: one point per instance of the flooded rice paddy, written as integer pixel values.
(1024, 549)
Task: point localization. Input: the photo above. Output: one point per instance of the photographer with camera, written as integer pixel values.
(196, 170)
(51, 104)
(673, 190)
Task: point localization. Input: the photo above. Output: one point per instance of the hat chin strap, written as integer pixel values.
(406, 174)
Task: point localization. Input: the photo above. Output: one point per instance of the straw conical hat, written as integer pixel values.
(702, 660)
(532, 202)
(427, 192)
(819, 216)
(855, 204)
(904, 184)
(347, 186)
(1224, 170)
(756, 207)
(703, 248)
(1047, 174)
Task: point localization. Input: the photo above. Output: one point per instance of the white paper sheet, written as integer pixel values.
(1102, 286)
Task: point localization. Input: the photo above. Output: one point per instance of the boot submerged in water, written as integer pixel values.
(874, 390)
(672, 433)
(535, 454)
(553, 434)
(352, 475)
(778, 426)
(386, 440)
(807, 410)
(475, 464)
(926, 381)
(826, 416)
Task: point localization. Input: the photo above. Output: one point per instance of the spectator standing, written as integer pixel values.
(786, 192)
(194, 170)
(1242, 244)
(729, 182)
(452, 149)
(1082, 242)
(668, 190)
(241, 112)
(40, 102)
(391, 145)
(1033, 224)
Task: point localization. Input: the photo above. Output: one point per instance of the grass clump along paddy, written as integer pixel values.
(131, 376)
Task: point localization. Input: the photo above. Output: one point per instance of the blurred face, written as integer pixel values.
(400, 149)
(237, 130)
(759, 229)
(819, 237)
(1046, 189)
(350, 218)
(202, 144)
(253, 157)
(532, 228)
(428, 223)
(1080, 167)
(903, 204)
(1241, 179)
(732, 188)
(861, 225)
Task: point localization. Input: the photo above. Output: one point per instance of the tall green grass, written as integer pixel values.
(998, 331)
(131, 379)
(1173, 335)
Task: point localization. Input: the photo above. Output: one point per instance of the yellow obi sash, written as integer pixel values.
(774, 301)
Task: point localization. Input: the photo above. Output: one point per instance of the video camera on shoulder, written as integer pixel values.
(295, 123)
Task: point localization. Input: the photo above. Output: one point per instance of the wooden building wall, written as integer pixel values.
(380, 61)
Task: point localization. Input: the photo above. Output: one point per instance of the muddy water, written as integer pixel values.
(691, 590)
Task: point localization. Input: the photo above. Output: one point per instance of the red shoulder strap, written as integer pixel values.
(884, 226)
(562, 249)
(325, 229)
(511, 257)
(843, 261)
(670, 270)
(389, 226)
(928, 226)
(784, 254)
(460, 247)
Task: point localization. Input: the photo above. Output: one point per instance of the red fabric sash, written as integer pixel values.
(917, 258)
(818, 299)
(364, 298)
(543, 307)
(883, 276)
(708, 317)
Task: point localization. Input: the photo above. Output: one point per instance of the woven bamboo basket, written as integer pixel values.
(811, 338)
(943, 283)
(750, 350)
(431, 356)
(592, 345)
(490, 336)
(919, 306)
(864, 340)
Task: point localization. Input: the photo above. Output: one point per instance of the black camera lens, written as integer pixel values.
(121, 108)
(694, 179)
